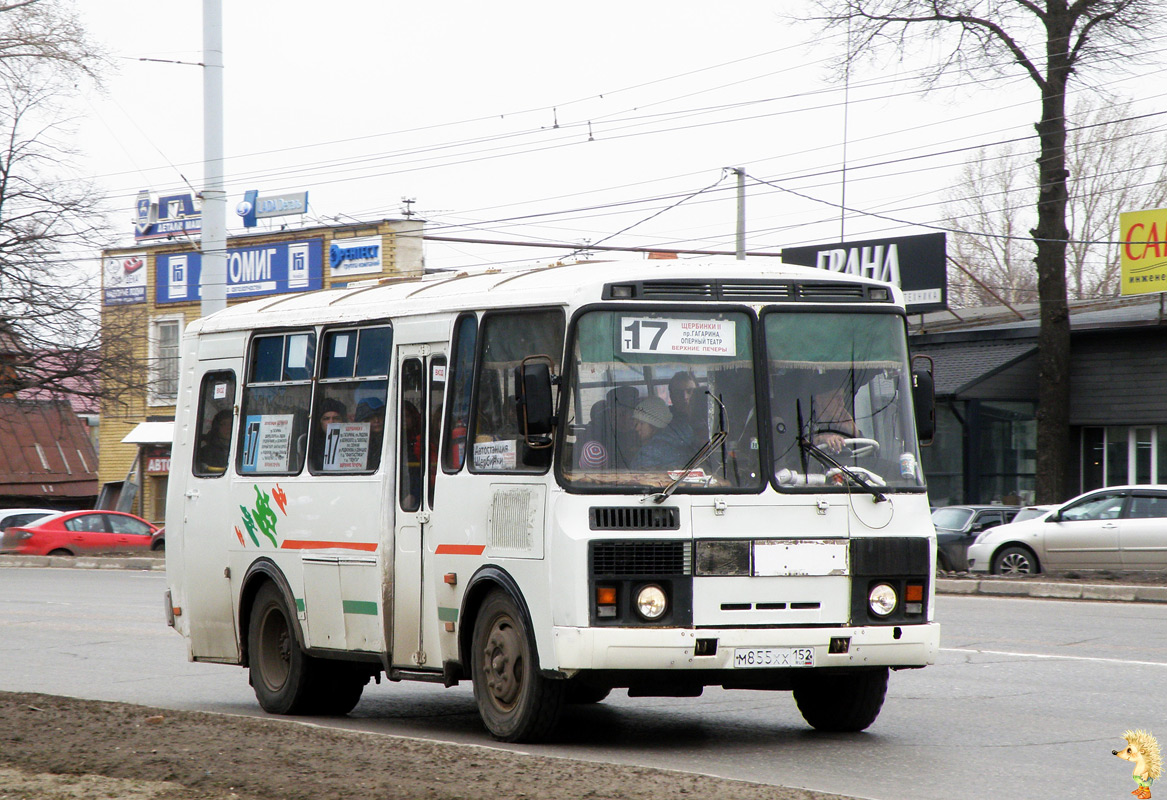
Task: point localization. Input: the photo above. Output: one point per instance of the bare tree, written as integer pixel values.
(990, 240)
(1116, 163)
(51, 221)
(1052, 42)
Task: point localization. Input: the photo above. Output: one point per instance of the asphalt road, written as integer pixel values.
(1028, 698)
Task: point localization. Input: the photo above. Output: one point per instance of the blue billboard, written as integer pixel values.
(251, 271)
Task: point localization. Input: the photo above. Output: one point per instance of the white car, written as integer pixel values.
(17, 517)
(1119, 527)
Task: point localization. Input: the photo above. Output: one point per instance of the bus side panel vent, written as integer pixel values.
(632, 558)
(640, 518)
(831, 291)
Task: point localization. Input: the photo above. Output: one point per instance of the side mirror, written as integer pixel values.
(924, 398)
(534, 404)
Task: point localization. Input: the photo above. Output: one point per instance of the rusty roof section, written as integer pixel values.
(44, 451)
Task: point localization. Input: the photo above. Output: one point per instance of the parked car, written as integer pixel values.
(958, 526)
(73, 533)
(13, 517)
(158, 540)
(1030, 512)
(1119, 527)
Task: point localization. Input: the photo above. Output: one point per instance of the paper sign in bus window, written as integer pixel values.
(494, 456)
(693, 337)
(346, 446)
(267, 442)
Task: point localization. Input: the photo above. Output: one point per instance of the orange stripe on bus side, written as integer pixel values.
(460, 549)
(297, 544)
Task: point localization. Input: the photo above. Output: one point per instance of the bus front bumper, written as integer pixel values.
(681, 648)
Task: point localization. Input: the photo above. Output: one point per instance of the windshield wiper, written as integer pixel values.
(712, 443)
(807, 446)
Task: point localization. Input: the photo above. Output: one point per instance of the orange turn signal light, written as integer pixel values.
(605, 595)
(914, 593)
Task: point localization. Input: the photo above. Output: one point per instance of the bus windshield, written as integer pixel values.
(840, 400)
(649, 390)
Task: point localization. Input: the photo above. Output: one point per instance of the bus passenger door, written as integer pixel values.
(420, 387)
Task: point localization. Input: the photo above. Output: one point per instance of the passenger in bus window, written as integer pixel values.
(372, 411)
(686, 406)
(663, 444)
(329, 412)
(216, 445)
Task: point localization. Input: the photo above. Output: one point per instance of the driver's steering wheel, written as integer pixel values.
(861, 447)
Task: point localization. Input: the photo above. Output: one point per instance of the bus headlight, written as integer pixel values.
(651, 602)
(881, 599)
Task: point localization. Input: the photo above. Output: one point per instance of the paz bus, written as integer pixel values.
(553, 482)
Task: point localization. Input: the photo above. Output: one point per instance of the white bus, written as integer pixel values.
(651, 475)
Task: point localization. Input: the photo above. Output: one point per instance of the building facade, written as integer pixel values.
(985, 367)
(150, 294)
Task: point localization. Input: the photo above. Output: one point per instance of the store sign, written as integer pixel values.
(253, 207)
(355, 256)
(173, 215)
(917, 264)
(157, 460)
(1143, 259)
(124, 280)
(251, 271)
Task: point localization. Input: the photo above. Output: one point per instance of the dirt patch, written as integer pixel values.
(58, 748)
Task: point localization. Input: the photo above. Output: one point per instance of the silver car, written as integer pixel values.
(1119, 527)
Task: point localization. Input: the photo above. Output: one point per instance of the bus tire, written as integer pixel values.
(841, 702)
(516, 703)
(280, 671)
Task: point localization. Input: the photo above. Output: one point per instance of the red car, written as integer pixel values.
(80, 532)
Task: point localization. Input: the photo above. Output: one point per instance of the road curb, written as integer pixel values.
(86, 562)
(1048, 590)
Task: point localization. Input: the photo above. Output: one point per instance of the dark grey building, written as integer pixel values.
(985, 366)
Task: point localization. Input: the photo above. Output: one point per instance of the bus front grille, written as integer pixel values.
(632, 559)
(634, 518)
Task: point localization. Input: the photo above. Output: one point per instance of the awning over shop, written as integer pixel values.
(151, 433)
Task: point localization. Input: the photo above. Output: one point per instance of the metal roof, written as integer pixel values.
(960, 366)
(45, 451)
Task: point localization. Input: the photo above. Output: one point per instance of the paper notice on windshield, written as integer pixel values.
(694, 337)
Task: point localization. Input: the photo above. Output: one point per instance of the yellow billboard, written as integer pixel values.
(1144, 251)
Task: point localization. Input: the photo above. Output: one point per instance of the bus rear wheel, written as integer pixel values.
(279, 670)
(841, 702)
(516, 703)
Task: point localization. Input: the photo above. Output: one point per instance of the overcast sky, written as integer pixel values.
(537, 121)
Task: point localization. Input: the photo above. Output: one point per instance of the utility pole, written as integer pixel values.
(741, 213)
(213, 280)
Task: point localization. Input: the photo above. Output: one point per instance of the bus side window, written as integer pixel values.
(412, 432)
(508, 338)
(348, 417)
(276, 398)
(215, 418)
(458, 410)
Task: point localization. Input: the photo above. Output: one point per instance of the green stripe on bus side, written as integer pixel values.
(300, 604)
(360, 607)
(447, 614)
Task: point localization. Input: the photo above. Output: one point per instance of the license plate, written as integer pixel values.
(746, 657)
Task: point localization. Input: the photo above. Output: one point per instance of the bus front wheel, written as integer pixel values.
(841, 701)
(516, 703)
(278, 668)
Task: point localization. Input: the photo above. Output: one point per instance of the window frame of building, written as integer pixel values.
(159, 378)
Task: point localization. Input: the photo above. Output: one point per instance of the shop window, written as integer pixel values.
(273, 427)
(508, 338)
(348, 421)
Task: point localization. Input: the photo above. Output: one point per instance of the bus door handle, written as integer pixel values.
(192, 493)
(422, 517)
